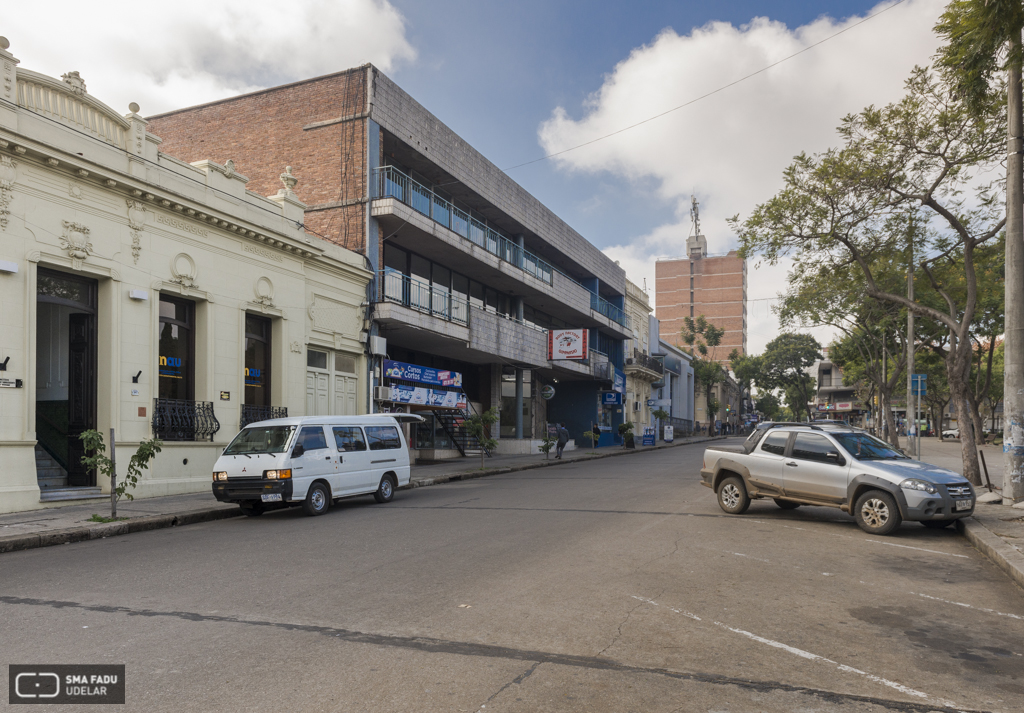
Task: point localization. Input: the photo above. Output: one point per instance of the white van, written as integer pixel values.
(313, 461)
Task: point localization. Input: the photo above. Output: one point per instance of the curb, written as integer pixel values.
(994, 547)
(13, 543)
(470, 474)
(67, 535)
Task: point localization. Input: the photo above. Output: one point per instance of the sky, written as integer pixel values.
(525, 79)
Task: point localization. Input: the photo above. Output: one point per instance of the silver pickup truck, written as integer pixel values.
(840, 467)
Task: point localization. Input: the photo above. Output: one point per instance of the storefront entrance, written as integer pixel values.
(332, 386)
(65, 377)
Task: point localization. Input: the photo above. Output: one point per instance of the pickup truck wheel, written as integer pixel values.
(385, 491)
(877, 513)
(732, 496)
(317, 500)
(786, 504)
(937, 524)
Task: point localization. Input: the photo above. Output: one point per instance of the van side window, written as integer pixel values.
(312, 438)
(383, 437)
(775, 443)
(349, 438)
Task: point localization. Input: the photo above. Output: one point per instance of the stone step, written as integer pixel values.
(53, 482)
(53, 495)
(54, 471)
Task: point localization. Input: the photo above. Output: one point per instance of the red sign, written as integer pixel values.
(567, 344)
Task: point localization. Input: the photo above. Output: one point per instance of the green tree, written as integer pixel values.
(783, 365)
(147, 450)
(704, 338)
(768, 405)
(926, 154)
(479, 426)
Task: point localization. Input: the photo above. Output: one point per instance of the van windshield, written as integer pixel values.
(260, 439)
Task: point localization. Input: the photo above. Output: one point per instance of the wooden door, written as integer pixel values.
(81, 394)
(317, 394)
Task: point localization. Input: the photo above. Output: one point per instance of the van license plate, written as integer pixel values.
(963, 504)
(276, 498)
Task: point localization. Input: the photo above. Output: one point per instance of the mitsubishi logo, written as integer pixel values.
(243, 469)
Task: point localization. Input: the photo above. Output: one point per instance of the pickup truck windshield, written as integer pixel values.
(864, 447)
(260, 439)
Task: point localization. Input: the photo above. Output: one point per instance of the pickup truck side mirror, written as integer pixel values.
(298, 450)
(835, 457)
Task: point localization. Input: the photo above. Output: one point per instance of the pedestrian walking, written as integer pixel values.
(563, 439)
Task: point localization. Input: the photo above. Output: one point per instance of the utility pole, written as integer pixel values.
(883, 418)
(1013, 346)
(910, 346)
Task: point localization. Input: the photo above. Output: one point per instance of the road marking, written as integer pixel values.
(807, 655)
(934, 552)
(970, 606)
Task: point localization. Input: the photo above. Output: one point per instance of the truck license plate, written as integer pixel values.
(276, 498)
(964, 504)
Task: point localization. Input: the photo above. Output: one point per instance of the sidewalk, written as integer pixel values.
(996, 530)
(57, 526)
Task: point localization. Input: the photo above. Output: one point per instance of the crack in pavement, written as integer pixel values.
(515, 681)
(462, 648)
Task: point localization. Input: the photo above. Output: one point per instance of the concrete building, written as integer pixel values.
(641, 366)
(834, 400)
(700, 284)
(674, 393)
(471, 273)
(150, 296)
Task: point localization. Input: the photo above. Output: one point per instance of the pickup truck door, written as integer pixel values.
(811, 472)
(766, 469)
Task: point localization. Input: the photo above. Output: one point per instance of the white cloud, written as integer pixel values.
(170, 56)
(731, 148)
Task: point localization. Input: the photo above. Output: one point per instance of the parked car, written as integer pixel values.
(951, 433)
(838, 467)
(313, 461)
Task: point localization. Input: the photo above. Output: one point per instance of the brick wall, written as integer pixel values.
(294, 125)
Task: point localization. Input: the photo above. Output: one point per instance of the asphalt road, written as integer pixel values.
(615, 585)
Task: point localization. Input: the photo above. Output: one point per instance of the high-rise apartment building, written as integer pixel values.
(700, 284)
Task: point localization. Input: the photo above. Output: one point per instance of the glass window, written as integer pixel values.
(809, 446)
(383, 437)
(349, 438)
(476, 294)
(345, 363)
(315, 359)
(312, 438)
(257, 360)
(460, 285)
(441, 277)
(492, 300)
(863, 446)
(262, 439)
(395, 258)
(775, 443)
(177, 348)
(420, 267)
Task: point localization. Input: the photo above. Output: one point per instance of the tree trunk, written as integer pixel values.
(1013, 346)
(979, 425)
(890, 422)
(959, 387)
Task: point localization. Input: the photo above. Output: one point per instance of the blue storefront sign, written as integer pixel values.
(421, 374)
(619, 384)
(611, 398)
(405, 394)
(648, 437)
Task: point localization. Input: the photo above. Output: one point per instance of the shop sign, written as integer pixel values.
(421, 395)
(547, 392)
(669, 434)
(421, 374)
(611, 398)
(619, 382)
(567, 344)
(648, 437)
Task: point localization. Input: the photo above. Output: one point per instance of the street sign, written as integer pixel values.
(919, 384)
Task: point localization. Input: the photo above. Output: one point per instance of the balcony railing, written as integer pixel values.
(254, 414)
(392, 183)
(648, 362)
(423, 297)
(602, 306)
(178, 420)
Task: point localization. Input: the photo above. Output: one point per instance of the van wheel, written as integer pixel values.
(787, 504)
(317, 500)
(251, 510)
(385, 491)
(732, 496)
(877, 513)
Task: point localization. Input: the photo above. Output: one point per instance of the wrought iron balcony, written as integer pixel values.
(253, 414)
(179, 420)
(641, 360)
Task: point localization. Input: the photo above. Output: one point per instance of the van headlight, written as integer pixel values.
(915, 484)
(277, 474)
(220, 475)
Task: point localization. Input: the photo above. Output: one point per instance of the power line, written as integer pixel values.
(705, 96)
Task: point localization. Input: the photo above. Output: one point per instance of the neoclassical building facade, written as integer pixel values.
(151, 296)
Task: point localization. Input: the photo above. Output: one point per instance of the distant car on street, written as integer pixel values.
(951, 433)
(836, 466)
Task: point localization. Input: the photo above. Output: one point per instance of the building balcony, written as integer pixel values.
(644, 366)
(254, 414)
(180, 420)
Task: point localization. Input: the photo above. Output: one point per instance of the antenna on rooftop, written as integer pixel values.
(695, 214)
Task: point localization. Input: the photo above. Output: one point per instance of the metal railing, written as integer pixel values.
(179, 420)
(253, 414)
(602, 306)
(423, 296)
(392, 183)
(647, 362)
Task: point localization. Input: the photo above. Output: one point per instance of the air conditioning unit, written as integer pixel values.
(630, 362)
(383, 393)
(378, 346)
